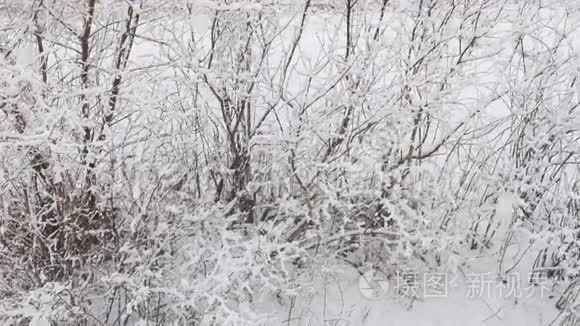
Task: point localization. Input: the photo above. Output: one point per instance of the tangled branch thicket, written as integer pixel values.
(174, 161)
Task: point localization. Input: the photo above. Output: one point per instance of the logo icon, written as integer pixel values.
(373, 284)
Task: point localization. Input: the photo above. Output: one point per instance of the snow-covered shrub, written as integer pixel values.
(178, 162)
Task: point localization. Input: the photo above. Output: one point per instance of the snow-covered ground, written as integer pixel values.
(337, 300)
(466, 290)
